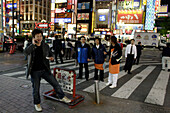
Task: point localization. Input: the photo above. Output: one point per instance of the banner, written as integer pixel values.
(130, 16)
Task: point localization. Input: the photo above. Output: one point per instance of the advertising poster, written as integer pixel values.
(128, 4)
(71, 28)
(83, 16)
(83, 5)
(60, 1)
(82, 28)
(79, 16)
(136, 3)
(69, 4)
(131, 16)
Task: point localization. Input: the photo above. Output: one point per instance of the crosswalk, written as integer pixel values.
(147, 83)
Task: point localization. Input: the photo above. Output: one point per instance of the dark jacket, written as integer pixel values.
(139, 49)
(116, 54)
(57, 45)
(83, 53)
(30, 51)
(166, 51)
(98, 54)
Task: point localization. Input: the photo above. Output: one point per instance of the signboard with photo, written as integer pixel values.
(82, 28)
(83, 5)
(83, 16)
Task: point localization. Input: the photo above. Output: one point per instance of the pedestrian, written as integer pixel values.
(83, 56)
(139, 52)
(99, 57)
(57, 46)
(165, 55)
(78, 42)
(120, 44)
(68, 49)
(39, 55)
(115, 53)
(130, 55)
(26, 44)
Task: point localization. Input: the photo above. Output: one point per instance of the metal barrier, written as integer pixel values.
(67, 80)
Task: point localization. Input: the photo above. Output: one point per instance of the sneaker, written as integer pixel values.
(108, 84)
(38, 107)
(112, 86)
(65, 99)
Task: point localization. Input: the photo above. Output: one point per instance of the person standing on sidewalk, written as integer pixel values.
(130, 55)
(57, 46)
(39, 55)
(99, 57)
(165, 55)
(68, 49)
(83, 56)
(26, 44)
(115, 53)
(139, 52)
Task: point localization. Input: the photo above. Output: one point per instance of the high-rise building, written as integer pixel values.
(34, 11)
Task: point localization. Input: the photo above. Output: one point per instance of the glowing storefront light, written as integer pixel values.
(150, 11)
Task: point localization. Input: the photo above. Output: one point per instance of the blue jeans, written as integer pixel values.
(36, 78)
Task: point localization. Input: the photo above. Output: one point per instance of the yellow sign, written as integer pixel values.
(1, 31)
(144, 2)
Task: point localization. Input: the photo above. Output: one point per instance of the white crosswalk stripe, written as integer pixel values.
(126, 90)
(158, 91)
(103, 85)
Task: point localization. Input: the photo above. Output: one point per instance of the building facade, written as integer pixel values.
(34, 11)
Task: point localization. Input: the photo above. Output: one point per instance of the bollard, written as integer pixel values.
(96, 87)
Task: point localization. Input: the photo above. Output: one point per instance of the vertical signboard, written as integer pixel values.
(150, 11)
(69, 4)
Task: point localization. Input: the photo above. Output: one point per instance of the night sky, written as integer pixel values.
(165, 2)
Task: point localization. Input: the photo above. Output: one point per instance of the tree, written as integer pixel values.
(165, 26)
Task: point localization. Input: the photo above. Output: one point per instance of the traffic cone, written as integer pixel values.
(11, 50)
(14, 48)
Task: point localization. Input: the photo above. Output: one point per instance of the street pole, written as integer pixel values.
(2, 14)
(13, 20)
(19, 18)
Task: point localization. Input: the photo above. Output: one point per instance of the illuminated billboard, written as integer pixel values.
(60, 1)
(130, 16)
(150, 14)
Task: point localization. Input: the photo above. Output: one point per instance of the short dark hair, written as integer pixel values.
(168, 44)
(113, 39)
(139, 42)
(36, 31)
(82, 37)
(133, 39)
(56, 36)
(120, 40)
(97, 38)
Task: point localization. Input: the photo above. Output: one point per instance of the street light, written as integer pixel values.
(120, 23)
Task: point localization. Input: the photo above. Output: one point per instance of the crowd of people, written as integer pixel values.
(39, 55)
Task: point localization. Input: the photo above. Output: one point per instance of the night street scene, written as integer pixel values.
(85, 56)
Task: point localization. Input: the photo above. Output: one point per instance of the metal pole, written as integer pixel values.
(13, 20)
(19, 18)
(2, 14)
(96, 87)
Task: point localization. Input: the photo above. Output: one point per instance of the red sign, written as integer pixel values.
(69, 4)
(131, 17)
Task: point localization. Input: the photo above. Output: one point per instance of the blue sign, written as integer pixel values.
(65, 20)
(9, 6)
(102, 17)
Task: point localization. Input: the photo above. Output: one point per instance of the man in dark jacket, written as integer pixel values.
(139, 52)
(165, 55)
(39, 55)
(99, 57)
(57, 46)
(83, 56)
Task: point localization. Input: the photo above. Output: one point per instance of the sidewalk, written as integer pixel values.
(11, 61)
(17, 99)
